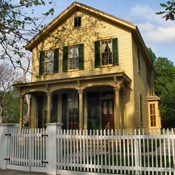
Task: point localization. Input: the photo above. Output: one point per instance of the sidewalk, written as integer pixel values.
(13, 172)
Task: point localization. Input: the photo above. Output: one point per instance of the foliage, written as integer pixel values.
(164, 83)
(11, 109)
(7, 77)
(169, 10)
(152, 55)
(19, 21)
(165, 88)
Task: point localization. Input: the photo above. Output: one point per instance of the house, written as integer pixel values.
(90, 70)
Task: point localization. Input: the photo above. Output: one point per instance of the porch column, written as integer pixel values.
(80, 92)
(48, 107)
(117, 106)
(85, 112)
(21, 111)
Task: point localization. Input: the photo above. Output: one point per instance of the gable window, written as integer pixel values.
(106, 52)
(48, 61)
(77, 21)
(73, 57)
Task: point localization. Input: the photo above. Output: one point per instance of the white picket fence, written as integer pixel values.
(117, 152)
(26, 149)
(58, 151)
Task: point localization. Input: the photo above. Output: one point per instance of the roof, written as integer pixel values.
(102, 15)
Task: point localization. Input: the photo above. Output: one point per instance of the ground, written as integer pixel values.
(13, 172)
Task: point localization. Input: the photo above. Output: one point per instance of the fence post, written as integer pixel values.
(51, 147)
(4, 133)
(137, 149)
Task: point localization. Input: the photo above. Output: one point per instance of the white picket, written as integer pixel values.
(101, 151)
(118, 151)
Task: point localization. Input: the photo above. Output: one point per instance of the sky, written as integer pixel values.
(156, 32)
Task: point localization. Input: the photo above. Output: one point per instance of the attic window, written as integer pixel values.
(77, 21)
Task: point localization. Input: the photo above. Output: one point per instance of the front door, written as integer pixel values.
(93, 99)
(107, 108)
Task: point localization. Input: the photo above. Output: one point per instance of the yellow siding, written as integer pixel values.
(88, 33)
(93, 29)
(140, 87)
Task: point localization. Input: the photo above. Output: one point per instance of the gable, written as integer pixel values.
(72, 9)
(57, 25)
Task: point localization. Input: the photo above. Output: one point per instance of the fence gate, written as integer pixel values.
(26, 149)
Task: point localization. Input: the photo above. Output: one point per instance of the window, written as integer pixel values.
(141, 108)
(152, 115)
(48, 61)
(49, 56)
(138, 60)
(106, 52)
(73, 57)
(77, 21)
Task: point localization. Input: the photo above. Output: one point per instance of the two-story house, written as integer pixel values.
(90, 70)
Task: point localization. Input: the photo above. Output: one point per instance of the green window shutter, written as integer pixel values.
(115, 51)
(81, 56)
(65, 59)
(41, 63)
(55, 68)
(97, 53)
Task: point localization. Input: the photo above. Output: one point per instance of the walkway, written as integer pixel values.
(13, 172)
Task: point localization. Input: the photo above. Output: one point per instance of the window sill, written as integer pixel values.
(106, 66)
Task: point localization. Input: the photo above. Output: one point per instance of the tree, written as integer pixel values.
(164, 82)
(152, 55)
(165, 88)
(19, 21)
(11, 107)
(7, 77)
(169, 10)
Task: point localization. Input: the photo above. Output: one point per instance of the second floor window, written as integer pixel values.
(73, 57)
(106, 52)
(49, 57)
(138, 61)
(48, 62)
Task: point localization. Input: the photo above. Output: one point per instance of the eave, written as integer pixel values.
(120, 75)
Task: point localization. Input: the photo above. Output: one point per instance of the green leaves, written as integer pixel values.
(20, 21)
(165, 87)
(169, 10)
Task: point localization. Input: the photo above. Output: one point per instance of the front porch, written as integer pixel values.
(87, 103)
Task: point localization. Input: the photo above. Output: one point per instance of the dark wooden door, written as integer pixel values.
(107, 108)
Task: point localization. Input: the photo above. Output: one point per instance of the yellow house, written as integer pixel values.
(90, 70)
